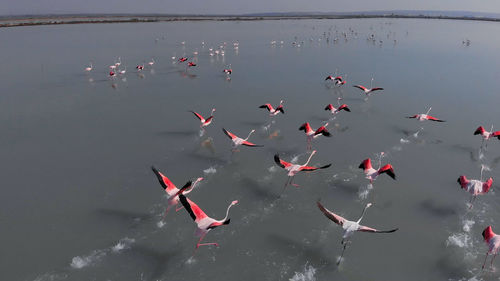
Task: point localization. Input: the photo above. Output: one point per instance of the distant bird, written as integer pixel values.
(493, 241)
(350, 226)
(119, 62)
(340, 107)
(475, 187)
(239, 141)
(371, 173)
(122, 71)
(228, 71)
(152, 62)
(183, 59)
(334, 79)
(426, 116)
(205, 122)
(273, 111)
(293, 169)
(487, 135)
(204, 222)
(112, 73)
(140, 67)
(370, 90)
(172, 191)
(113, 66)
(190, 64)
(89, 68)
(341, 81)
(312, 134)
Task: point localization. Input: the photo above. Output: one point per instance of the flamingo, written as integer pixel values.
(152, 62)
(493, 241)
(273, 111)
(122, 71)
(119, 62)
(293, 169)
(350, 226)
(340, 107)
(311, 133)
(334, 79)
(475, 187)
(370, 90)
(228, 71)
(239, 141)
(372, 173)
(205, 122)
(190, 64)
(341, 81)
(204, 222)
(487, 135)
(112, 67)
(140, 67)
(89, 68)
(112, 73)
(426, 116)
(172, 191)
(183, 59)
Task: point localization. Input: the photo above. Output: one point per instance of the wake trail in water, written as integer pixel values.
(308, 274)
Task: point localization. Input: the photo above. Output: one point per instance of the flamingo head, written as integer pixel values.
(281, 102)
(234, 202)
(313, 152)
(368, 205)
(198, 180)
(252, 131)
(213, 110)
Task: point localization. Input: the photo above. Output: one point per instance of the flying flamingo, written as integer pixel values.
(350, 226)
(152, 62)
(334, 79)
(487, 135)
(119, 62)
(204, 222)
(372, 173)
(190, 64)
(122, 71)
(89, 68)
(112, 73)
(273, 111)
(370, 90)
(183, 59)
(140, 67)
(340, 107)
(475, 187)
(205, 122)
(172, 191)
(293, 169)
(239, 141)
(341, 81)
(228, 71)
(311, 133)
(426, 116)
(112, 67)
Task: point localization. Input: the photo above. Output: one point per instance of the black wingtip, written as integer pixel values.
(227, 221)
(326, 166)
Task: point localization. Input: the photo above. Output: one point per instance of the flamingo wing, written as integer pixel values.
(280, 108)
(329, 107)
(344, 107)
(164, 181)
(463, 181)
(376, 89)
(487, 185)
(373, 230)
(268, 106)
(208, 119)
(388, 170)
(199, 116)
(331, 215)
(247, 143)
(311, 168)
(229, 134)
(434, 119)
(194, 211)
(360, 87)
(281, 163)
(496, 134)
(366, 164)
(413, 117)
(323, 131)
(479, 131)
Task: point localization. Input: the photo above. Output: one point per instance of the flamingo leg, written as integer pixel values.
(494, 256)
(179, 208)
(485, 260)
(294, 184)
(166, 212)
(286, 183)
(343, 250)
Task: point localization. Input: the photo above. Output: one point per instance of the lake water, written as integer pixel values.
(80, 202)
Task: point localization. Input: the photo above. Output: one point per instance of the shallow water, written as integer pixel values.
(80, 202)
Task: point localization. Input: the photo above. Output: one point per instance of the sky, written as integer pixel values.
(19, 7)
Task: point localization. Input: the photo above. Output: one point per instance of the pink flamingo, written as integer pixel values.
(475, 187)
(350, 227)
(140, 67)
(190, 64)
(205, 122)
(370, 90)
(89, 68)
(112, 73)
(239, 141)
(372, 173)
(493, 241)
(183, 59)
(293, 169)
(312, 134)
(487, 135)
(204, 222)
(426, 116)
(172, 191)
(273, 111)
(228, 71)
(340, 107)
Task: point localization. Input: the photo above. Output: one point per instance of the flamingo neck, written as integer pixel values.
(371, 83)
(362, 214)
(213, 110)
(310, 156)
(428, 111)
(227, 214)
(251, 132)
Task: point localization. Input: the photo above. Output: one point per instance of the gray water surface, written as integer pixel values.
(80, 201)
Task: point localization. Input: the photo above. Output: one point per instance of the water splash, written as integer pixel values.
(210, 170)
(306, 275)
(124, 243)
(467, 225)
(79, 262)
(461, 240)
(364, 191)
(51, 276)
(161, 224)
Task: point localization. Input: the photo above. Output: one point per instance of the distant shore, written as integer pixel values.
(81, 19)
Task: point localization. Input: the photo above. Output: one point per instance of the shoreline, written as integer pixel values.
(17, 21)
